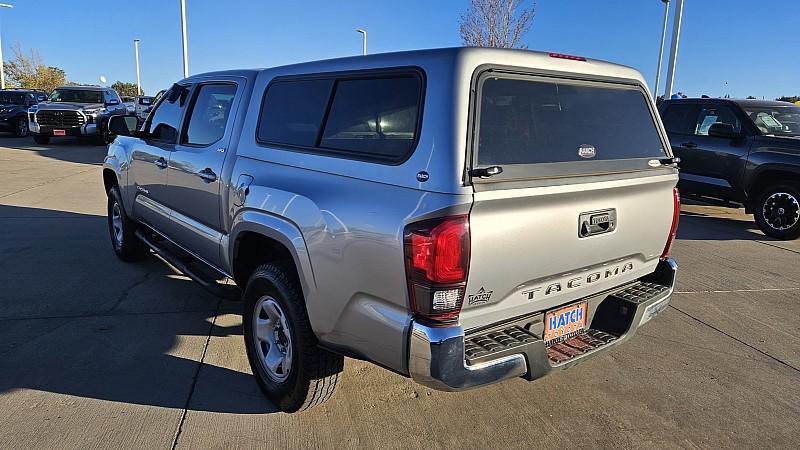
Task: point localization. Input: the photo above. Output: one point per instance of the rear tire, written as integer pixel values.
(39, 139)
(777, 211)
(292, 371)
(122, 230)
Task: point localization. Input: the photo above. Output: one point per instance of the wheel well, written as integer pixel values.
(771, 177)
(251, 250)
(109, 179)
(764, 179)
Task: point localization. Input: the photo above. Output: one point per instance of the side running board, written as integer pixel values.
(209, 283)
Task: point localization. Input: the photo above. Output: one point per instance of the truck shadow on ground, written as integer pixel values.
(76, 321)
(695, 226)
(70, 149)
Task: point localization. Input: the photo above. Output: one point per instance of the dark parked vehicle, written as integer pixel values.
(14, 104)
(75, 111)
(740, 152)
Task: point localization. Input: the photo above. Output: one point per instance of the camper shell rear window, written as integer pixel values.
(537, 126)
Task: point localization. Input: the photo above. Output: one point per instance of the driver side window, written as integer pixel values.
(716, 114)
(164, 122)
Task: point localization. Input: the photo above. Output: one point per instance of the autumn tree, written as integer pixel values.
(29, 72)
(497, 23)
(125, 89)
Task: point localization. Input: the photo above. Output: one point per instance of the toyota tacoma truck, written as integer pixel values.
(740, 152)
(75, 111)
(457, 216)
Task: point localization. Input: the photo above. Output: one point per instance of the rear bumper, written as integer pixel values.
(437, 356)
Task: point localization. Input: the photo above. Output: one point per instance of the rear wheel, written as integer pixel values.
(39, 139)
(22, 126)
(777, 211)
(122, 230)
(292, 371)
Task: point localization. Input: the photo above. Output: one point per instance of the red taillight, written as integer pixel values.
(570, 57)
(437, 262)
(676, 213)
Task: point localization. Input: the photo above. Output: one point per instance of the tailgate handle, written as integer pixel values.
(593, 223)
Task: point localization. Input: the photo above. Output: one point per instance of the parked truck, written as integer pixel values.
(740, 153)
(457, 216)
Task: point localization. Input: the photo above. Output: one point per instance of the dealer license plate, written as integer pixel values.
(59, 132)
(564, 323)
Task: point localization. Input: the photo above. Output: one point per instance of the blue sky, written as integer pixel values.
(753, 46)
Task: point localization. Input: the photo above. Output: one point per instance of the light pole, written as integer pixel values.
(673, 51)
(138, 80)
(2, 69)
(661, 48)
(183, 31)
(364, 41)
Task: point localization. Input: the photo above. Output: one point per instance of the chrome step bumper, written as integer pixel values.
(444, 358)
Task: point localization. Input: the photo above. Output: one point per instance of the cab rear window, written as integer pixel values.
(536, 120)
(368, 115)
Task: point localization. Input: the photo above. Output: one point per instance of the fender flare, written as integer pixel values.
(281, 230)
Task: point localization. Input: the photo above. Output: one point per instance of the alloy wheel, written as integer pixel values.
(22, 127)
(781, 211)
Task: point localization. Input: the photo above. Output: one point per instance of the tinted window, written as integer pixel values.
(12, 98)
(681, 118)
(777, 120)
(76, 96)
(166, 118)
(210, 113)
(374, 117)
(529, 122)
(292, 112)
(716, 114)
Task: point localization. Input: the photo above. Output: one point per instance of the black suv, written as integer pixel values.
(741, 151)
(14, 104)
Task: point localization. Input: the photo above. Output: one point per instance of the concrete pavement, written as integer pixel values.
(98, 353)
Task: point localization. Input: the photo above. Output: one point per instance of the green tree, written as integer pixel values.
(29, 72)
(125, 89)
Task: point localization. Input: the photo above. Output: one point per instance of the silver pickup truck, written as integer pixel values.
(459, 216)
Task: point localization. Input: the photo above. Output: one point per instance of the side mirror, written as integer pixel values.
(112, 102)
(123, 125)
(723, 130)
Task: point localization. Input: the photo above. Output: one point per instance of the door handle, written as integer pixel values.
(689, 145)
(207, 175)
(161, 163)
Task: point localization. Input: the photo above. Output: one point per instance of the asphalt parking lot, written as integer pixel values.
(98, 353)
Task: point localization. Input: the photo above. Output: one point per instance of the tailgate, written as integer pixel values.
(576, 196)
(528, 255)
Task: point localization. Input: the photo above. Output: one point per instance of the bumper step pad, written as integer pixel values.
(583, 343)
(641, 292)
(496, 343)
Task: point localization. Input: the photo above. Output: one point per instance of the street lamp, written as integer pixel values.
(183, 31)
(661, 49)
(364, 41)
(138, 80)
(673, 51)
(2, 69)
